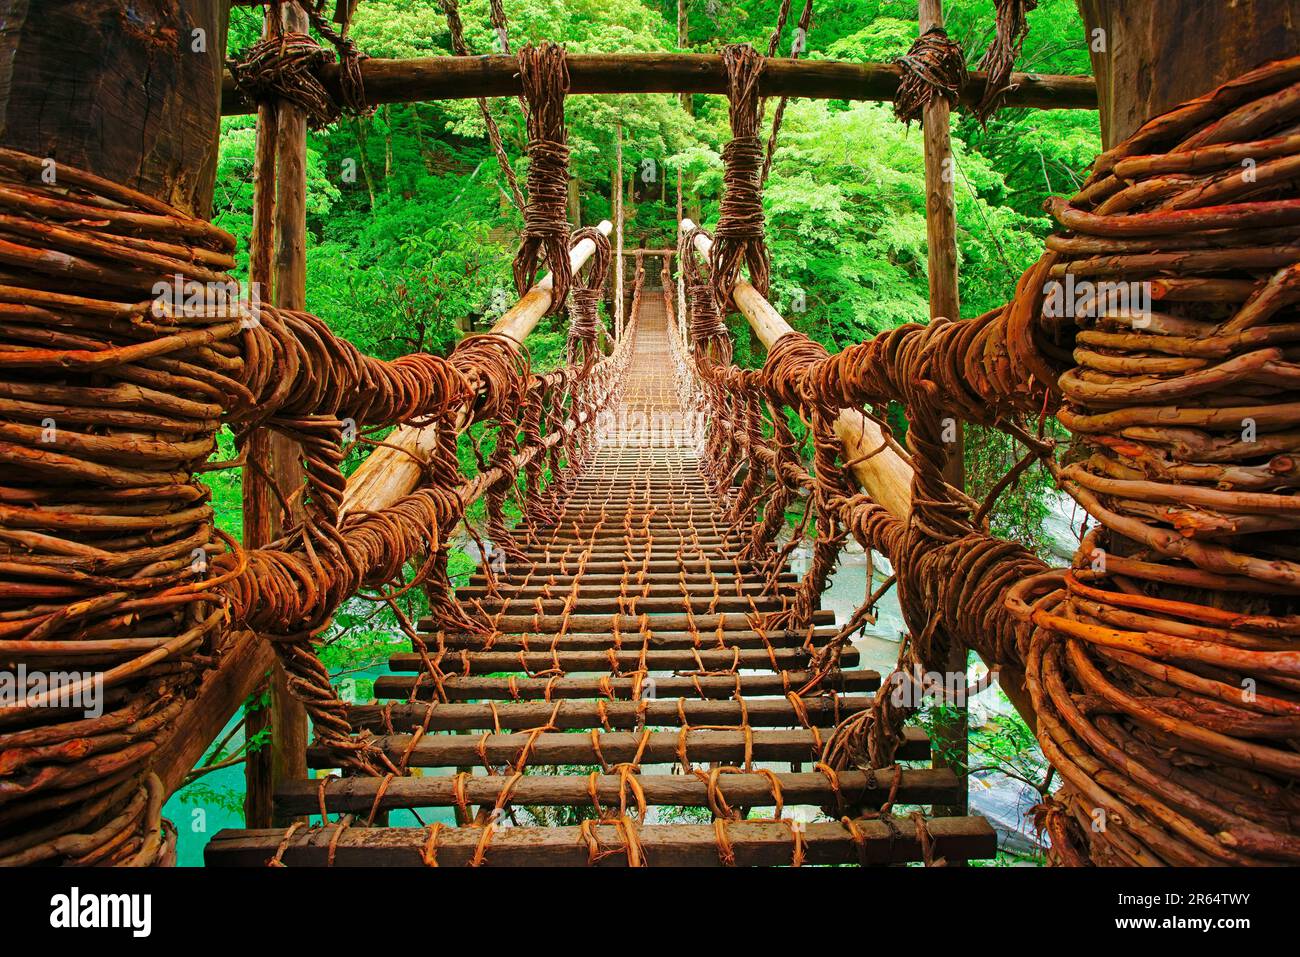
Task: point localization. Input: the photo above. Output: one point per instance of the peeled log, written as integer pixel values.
(885, 476)
(394, 470)
(421, 79)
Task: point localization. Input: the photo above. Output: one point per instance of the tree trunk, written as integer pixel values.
(360, 132)
(418, 126)
(388, 150)
(131, 95)
(684, 44)
(575, 202)
(1151, 56)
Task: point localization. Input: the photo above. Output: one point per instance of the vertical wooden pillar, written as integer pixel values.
(278, 260)
(681, 268)
(618, 230)
(288, 716)
(135, 98)
(1148, 57)
(683, 44)
(261, 509)
(941, 241)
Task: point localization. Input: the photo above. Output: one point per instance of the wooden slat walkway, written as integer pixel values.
(622, 675)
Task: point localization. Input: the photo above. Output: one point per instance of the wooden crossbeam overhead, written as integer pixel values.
(458, 78)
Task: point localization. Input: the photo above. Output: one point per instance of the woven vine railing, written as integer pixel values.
(110, 564)
(1159, 327)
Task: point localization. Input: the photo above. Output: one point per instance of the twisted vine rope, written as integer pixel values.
(707, 331)
(797, 47)
(1000, 58)
(739, 233)
(585, 296)
(104, 534)
(458, 45)
(286, 66)
(545, 79)
(934, 66)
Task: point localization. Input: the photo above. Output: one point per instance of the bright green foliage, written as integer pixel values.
(411, 230)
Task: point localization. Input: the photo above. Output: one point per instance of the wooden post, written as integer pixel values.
(618, 230)
(136, 99)
(683, 43)
(260, 507)
(681, 269)
(283, 144)
(63, 97)
(941, 237)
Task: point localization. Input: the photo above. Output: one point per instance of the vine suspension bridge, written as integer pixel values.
(638, 641)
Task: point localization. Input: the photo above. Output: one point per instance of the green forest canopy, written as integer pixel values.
(411, 233)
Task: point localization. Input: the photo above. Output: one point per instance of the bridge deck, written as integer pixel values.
(624, 707)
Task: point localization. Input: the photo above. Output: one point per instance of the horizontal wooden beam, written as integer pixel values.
(752, 843)
(458, 688)
(614, 747)
(579, 714)
(856, 789)
(471, 663)
(458, 78)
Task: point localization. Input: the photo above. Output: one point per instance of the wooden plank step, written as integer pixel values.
(560, 747)
(638, 552)
(617, 513)
(626, 504)
(654, 588)
(752, 843)
(613, 574)
(572, 714)
(456, 688)
(616, 534)
(541, 568)
(627, 624)
(632, 604)
(664, 495)
(623, 509)
(596, 662)
(856, 790)
(660, 640)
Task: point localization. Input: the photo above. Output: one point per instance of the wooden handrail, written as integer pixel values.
(393, 470)
(885, 476)
(382, 479)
